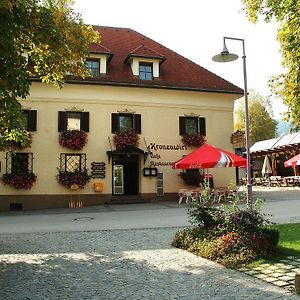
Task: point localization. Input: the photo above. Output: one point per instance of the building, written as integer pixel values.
(135, 84)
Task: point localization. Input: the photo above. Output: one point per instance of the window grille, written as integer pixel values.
(70, 162)
(18, 163)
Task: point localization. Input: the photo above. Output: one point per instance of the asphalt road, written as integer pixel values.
(281, 207)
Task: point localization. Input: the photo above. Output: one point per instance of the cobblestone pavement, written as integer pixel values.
(117, 264)
(280, 274)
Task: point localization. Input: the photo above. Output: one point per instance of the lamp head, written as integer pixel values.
(225, 56)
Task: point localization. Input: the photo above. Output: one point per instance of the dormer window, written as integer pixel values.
(145, 71)
(93, 65)
(145, 62)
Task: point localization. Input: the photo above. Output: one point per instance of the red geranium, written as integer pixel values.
(193, 139)
(21, 181)
(69, 179)
(73, 139)
(124, 140)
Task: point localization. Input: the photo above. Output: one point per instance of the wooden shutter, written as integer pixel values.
(62, 121)
(31, 124)
(181, 125)
(202, 126)
(85, 121)
(137, 123)
(114, 123)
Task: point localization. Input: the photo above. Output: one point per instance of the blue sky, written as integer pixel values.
(195, 29)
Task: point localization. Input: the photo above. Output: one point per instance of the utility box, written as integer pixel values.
(98, 186)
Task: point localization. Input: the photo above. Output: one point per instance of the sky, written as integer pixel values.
(195, 29)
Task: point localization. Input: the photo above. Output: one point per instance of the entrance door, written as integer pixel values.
(118, 180)
(128, 166)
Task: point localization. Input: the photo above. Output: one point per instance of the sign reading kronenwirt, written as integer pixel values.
(238, 139)
(155, 153)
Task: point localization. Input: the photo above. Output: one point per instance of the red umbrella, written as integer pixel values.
(294, 161)
(208, 156)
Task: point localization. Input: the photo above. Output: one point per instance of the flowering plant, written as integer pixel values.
(20, 181)
(193, 139)
(15, 139)
(193, 177)
(73, 180)
(73, 139)
(126, 139)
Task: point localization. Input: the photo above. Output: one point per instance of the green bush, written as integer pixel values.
(228, 234)
(186, 237)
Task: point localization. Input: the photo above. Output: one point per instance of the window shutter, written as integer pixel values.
(62, 121)
(181, 125)
(114, 123)
(31, 125)
(202, 126)
(137, 123)
(85, 121)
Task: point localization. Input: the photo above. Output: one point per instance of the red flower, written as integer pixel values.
(22, 181)
(73, 139)
(126, 139)
(68, 179)
(193, 139)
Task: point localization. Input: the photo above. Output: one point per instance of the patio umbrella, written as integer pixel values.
(294, 161)
(208, 156)
(266, 168)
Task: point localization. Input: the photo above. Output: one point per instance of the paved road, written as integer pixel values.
(282, 207)
(118, 252)
(117, 264)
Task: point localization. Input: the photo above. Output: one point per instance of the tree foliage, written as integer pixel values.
(46, 35)
(262, 126)
(287, 14)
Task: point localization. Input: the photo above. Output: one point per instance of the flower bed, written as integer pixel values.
(73, 180)
(196, 140)
(123, 140)
(230, 235)
(22, 181)
(73, 139)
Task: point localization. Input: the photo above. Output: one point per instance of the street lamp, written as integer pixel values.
(225, 56)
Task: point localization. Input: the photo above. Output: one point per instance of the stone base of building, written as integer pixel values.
(32, 202)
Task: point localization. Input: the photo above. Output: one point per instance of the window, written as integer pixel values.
(19, 163)
(145, 71)
(125, 123)
(93, 66)
(30, 118)
(69, 120)
(73, 121)
(192, 125)
(70, 162)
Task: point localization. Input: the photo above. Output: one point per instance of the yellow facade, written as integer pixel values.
(159, 109)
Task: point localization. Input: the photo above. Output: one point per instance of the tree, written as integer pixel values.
(46, 35)
(287, 14)
(261, 124)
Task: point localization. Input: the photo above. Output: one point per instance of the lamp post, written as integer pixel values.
(225, 56)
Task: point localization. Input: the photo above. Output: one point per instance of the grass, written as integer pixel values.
(289, 239)
(289, 243)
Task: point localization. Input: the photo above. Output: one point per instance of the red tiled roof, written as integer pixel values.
(143, 51)
(99, 48)
(177, 72)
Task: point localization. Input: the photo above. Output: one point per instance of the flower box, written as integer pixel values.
(73, 139)
(196, 140)
(123, 140)
(20, 181)
(73, 180)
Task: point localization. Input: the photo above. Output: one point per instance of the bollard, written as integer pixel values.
(297, 283)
